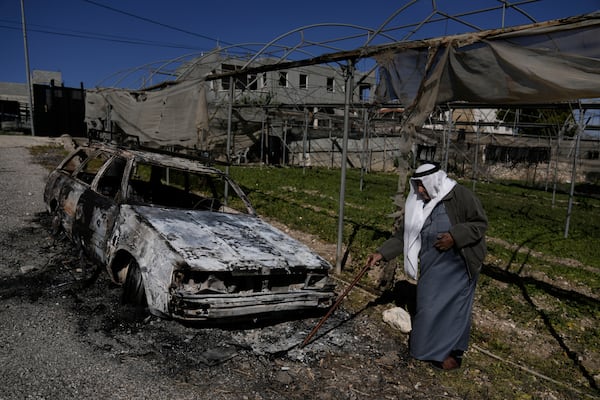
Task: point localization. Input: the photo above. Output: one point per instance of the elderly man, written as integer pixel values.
(443, 243)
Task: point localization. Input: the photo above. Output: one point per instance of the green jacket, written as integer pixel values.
(469, 224)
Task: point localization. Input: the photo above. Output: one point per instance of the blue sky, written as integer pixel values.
(89, 41)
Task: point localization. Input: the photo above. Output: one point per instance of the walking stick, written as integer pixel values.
(335, 305)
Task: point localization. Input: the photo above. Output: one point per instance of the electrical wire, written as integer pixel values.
(107, 38)
(152, 21)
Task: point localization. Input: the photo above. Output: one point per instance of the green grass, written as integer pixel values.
(528, 217)
(309, 200)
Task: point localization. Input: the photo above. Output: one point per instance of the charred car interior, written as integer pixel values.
(181, 237)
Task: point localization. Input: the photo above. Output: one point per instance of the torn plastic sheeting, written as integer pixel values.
(541, 64)
(176, 115)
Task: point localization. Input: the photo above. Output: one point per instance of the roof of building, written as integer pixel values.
(13, 92)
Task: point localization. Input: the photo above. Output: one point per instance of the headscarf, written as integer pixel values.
(438, 185)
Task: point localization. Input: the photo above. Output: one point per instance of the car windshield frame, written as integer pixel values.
(158, 184)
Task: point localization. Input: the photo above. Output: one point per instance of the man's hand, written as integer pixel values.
(373, 259)
(445, 242)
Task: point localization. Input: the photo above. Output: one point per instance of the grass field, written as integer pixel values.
(309, 200)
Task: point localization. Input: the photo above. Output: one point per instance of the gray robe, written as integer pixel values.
(447, 280)
(445, 294)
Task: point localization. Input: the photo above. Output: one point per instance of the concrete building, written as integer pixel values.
(309, 85)
(57, 109)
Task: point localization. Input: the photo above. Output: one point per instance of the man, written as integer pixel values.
(443, 242)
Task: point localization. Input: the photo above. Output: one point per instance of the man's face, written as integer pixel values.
(422, 191)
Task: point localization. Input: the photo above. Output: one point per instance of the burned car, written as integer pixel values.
(181, 237)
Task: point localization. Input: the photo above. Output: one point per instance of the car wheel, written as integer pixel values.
(134, 292)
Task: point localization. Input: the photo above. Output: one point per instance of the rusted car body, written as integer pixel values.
(180, 237)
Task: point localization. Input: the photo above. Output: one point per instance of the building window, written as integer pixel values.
(225, 81)
(264, 80)
(283, 82)
(303, 81)
(364, 92)
(330, 85)
(241, 81)
(253, 82)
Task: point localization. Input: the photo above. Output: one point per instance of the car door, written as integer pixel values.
(98, 204)
(62, 190)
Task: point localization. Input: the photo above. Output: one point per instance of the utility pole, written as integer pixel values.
(29, 87)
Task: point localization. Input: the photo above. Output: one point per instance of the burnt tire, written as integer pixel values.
(134, 293)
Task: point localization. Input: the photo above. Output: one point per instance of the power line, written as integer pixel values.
(108, 38)
(153, 21)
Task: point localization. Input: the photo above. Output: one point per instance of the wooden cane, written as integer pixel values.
(335, 305)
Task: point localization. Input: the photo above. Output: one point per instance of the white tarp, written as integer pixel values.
(175, 115)
(543, 63)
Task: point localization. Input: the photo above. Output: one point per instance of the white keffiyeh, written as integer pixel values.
(438, 185)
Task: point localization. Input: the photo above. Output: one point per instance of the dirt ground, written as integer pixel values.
(64, 335)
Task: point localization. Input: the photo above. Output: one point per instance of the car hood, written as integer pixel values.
(229, 242)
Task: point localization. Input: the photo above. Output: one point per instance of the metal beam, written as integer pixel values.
(371, 51)
(349, 90)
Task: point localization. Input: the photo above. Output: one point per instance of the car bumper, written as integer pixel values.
(222, 306)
